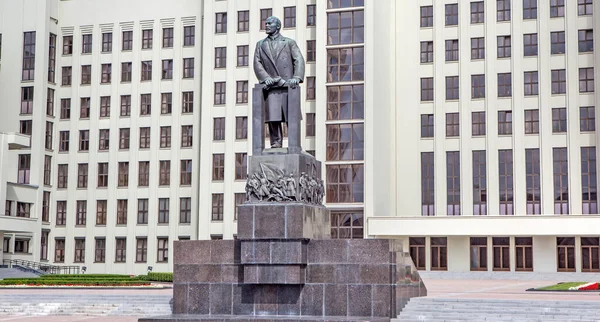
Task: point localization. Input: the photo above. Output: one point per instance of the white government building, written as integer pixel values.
(465, 128)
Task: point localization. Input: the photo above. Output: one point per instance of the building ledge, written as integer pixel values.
(538, 225)
(14, 224)
(17, 141)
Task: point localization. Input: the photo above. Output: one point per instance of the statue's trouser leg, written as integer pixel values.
(276, 134)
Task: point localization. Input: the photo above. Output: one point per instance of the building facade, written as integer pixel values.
(465, 128)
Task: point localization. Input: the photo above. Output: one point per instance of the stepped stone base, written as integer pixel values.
(250, 318)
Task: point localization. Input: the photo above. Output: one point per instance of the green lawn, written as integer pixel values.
(560, 286)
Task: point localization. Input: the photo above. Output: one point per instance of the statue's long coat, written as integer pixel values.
(285, 61)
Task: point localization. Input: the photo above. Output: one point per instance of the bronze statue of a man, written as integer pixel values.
(278, 64)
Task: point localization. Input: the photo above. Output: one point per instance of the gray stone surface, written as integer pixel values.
(265, 318)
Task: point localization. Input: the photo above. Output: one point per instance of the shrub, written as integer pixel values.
(160, 277)
(86, 276)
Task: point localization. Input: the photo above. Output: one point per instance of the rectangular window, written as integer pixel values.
(452, 125)
(187, 102)
(239, 199)
(167, 38)
(86, 44)
(122, 211)
(142, 213)
(125, 105)
(311, 88)
(289, 17)
(530, 44)
(147, 38)
(589, 184)
(167, 68)
(426, 16)
(531, 83)
(310, 124)
(561, 181)
(101, 211)
(102, 175)
(264, 14)
(220, 57)
(347, 102)
(479, 183)
(143, 173)
(241, 128)
(557, 39)
(427, 184)
(59, 250)
(165, 136)
(187, 136)
(106, 73)
(100, 250)
(123, 179)
(524, 254)
(505, 171)
(61, 213)
(565, 253)
(126, 72)
(504, 122)
(452, 14)
(217, 207)
(502, 10)
(533, 185)
(586, 80)
(104, 140)
(49, 135)
(166, 103)
(504, 46)
(504, 85)
(346, 27)
(477, 12)
(586, 40)
(590, 254)
(530, 9)
(417, 251)
(345, 183)
(452, 88)
(124, 139)
(185, 210)
(185, 175)
(64, 141)
(25, 127)
(478, 86)
(532, 121)
(345, 64)
(311, 15)
(243, 21)
(345, 141)
(427, 129)
(585, 7)
(559, 81)
(188, 68)
(219, 128)
(23, 210)
(559, 120)
(189, 36)
(127, 40)
(452, 50)
(47, 170)
(66, 76)
(221, 22)
(478, 250)
(146, 70)
(84, 140)
(163, 210)
(82, 175)
(28, 71)
(120, 250)
(163, 250)
(50, 102)
(107, 42)
(44, 245)
(86, 75)
(439, 253)
(84, 108)
(242, 55)
(80, 219)
(63, 176)
(218, 172)
(478, 48)
(27, 100)
(311, 50)
(144, 138)
(165, 173)
(557, 8)
(24, 168)
(104, 106)
(427, 89)
(241, 92)
(241, 165)
(501, 251)
(219, 93)
(426, 51)
(587, 118)
(478, 123)
(51, 57)
(453, 183)
(67, 45)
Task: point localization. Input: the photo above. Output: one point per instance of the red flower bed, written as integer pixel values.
(588, 287)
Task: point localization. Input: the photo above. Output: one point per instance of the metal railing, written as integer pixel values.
(43, 268)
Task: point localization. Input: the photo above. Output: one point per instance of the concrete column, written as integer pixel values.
(1, 247)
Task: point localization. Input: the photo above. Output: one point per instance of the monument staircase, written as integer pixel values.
(425, 309)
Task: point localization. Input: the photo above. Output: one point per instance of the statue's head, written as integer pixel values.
(272, 25)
